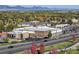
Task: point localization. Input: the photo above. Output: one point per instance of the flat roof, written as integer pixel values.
(39, 28)
(17, 32)
(62, 25)
(20, 32)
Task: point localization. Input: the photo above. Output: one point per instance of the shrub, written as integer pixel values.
(13, 42)
(6, 40)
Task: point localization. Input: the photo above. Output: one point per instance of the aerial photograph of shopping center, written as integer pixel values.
(39, 29)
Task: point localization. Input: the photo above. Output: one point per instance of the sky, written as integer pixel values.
(64, 6)
(54, 6)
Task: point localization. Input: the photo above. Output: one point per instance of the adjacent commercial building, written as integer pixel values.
(20, 35)
(65, 27)
(3, 35)
(28, 24)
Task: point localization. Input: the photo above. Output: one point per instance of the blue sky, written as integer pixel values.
(58, 6)
(64, 6)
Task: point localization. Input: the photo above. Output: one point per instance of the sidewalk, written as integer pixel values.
(73, 47)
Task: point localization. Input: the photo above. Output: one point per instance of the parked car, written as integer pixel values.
(2, 42)
(10, 46)
(45, 41)
(45, 37)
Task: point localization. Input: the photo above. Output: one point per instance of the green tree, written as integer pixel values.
(50, 34)
(11, 26)
(1, 26)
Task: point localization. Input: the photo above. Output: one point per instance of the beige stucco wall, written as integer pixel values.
(26, 35)
(17, 36)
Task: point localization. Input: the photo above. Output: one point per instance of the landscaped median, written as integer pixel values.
(70, 51)
(60, 46)
(10, 41)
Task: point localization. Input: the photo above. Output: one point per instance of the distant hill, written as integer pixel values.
(18, 7)
(6, 7)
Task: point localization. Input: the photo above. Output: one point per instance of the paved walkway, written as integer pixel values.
(73, 47)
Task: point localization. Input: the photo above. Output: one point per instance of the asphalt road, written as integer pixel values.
(22, 46)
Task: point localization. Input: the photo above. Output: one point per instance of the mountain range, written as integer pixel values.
(19, 7)
(6, 7)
